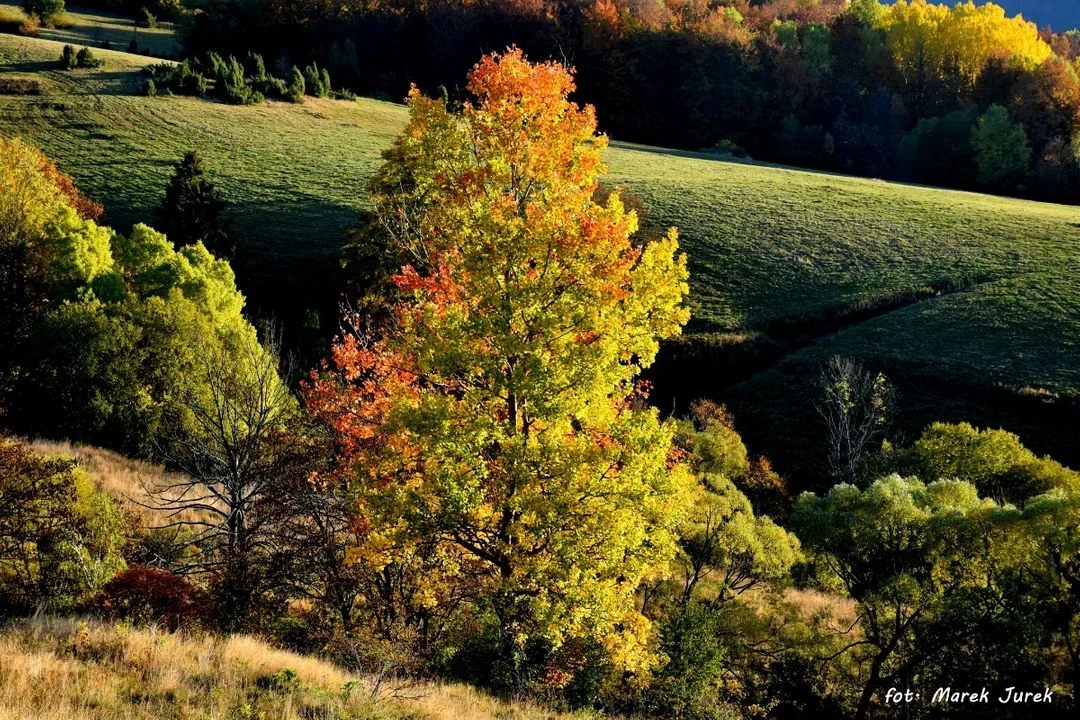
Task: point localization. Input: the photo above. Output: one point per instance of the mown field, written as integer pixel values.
(970, 302)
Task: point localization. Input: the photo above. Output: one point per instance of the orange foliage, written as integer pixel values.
(87, 208)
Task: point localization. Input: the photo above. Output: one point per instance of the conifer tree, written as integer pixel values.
(193, 207)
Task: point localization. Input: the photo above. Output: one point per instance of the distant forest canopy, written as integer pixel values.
(1058, 14)
(903, 91)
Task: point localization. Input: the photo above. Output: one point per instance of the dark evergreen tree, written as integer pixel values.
(193, 207)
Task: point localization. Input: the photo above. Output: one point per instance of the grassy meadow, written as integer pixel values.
(770, 248)
(95, 28)
(53, 669)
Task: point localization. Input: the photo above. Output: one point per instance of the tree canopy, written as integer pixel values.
(498, 415)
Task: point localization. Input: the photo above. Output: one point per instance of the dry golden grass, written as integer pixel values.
(67, 670)
(815, 603)
(125, 479)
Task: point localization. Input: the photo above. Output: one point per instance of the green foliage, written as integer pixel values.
(255, 67)
(231, 85)
(45, 10)
(938, 151)
(1002, 151)
(182, 78)
(914, 557)
(119, 321)
(150, 88)
(38, 523)
(787, 33)
(61, 537)
(297, 86)
(817, 46)
(725, 549)
(699, 641)
(1042, 552)
(97, 555)
(869, 12)
(67, 58)
(715, 447)
(316, 81)
(192, 208)
(993, 461)
(85, 59)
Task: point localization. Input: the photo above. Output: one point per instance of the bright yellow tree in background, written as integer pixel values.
(930, 40)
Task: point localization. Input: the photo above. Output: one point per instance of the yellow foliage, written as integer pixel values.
(930, 40)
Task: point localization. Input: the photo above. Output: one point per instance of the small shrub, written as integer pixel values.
(149, 88)
(296, 86)
(343, 94)
(182, 79)
(232, 86)
(38, 524)
(133, 47)
(31, 27)
(317, 81)
(255, 67)
(106, 45)
(271, 87)
(85, 59)
(149, 595)
(68, 58)
(147, 19)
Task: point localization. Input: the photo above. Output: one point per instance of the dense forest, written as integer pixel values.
(965, 97)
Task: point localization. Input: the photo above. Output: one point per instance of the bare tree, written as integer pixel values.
(314, 524)
(233, 411)
(855, 405)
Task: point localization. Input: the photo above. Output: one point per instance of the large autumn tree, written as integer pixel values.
(496, 428)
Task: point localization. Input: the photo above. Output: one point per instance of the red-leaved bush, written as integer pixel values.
(149, 595)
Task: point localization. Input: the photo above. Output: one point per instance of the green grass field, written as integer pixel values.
(93, 27)
(766, 245)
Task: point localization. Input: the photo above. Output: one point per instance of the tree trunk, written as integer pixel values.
(871, 687)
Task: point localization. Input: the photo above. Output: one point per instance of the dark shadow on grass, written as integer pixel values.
(31, 67)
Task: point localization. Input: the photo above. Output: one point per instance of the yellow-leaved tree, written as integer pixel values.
(496, 429)
(930, 41)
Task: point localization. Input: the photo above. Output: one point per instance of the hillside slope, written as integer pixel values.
(787, 266)
(53, 669)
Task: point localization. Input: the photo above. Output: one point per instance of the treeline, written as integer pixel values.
(964, 97)
(473, 484)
